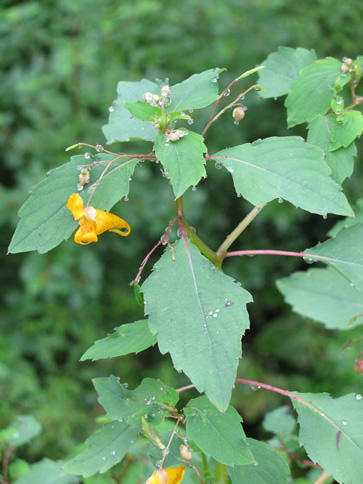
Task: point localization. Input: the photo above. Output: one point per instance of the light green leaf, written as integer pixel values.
(199, 316)
(142, 110)
(196, 92)
(25, 428)
(121, 127)
(106, 448)
(47, 472)
(331, 430)
(341, 161)
(149, 399)
(128, 338)
(323, 295)
(218, 435)
(183, 160)
(45, 221)
(346, 131)
(286, 169)
(313, 90)
(345, 253)
(281, 68)
(349, 221)
(268, 468)
(280, 422)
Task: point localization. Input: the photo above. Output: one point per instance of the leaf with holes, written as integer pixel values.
(128, 338)
(331, 430)
(323, 295)
(45, 221)
(345, 253)
(218, 435)
(106, 448)
(286, 169)
(281, 69)
(199, 316)
(182, 160)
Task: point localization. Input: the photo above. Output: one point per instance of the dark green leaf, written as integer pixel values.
(218, 435)
(105, 449)
(183, 160)
(281, 68)
(149, 400)
(313, 90)
(268, 468)
(345, 253)
(331, 430)
(25, 428)
(47, 472)
(121, 127)
(341, 161)
(286, 169)
(128, 338)
(196, 92)
(142, 110)
(45, 221)
(323, 295)
(346, 131)
(280, 422)
(199, 316)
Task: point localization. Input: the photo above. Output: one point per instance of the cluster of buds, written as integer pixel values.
(155, 99)
(347, 65)
(84, 177)
(175, 135)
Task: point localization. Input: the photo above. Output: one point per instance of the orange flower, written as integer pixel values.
(93, 222)
(167, 476)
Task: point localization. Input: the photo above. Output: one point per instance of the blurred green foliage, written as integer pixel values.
(60, 61)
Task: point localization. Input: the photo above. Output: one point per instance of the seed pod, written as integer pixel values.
(238, 113)
(185, 452)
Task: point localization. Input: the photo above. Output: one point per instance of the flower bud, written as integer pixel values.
(173, 136)
(181, 133)
(84, 177)
(185, 452)
(359, 366)
(156, 98)
(165, 91)
(238, 113)
(148, 97)
(344, 68)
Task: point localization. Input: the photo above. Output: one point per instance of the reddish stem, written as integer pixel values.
(6, 458)
(143, 264)
(274, 252)
(197, 472)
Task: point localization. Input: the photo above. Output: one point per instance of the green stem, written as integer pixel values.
(206, 471)
(221, 474)
(221, 252)
(202, 246)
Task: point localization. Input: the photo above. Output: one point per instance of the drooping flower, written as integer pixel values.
(93, 222)
(174, 475)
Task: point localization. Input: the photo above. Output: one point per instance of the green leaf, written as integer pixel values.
(349, 221)
(25, 428)
(281, 68)
(285, 168)
(313, 90)
(199, 316)
(280, 422)
(47, 472)
(105, 449)
(345, 253)
(198, 91)
(341, 161)
(128, 338)
(149, 399)
(45, 221)
(346, 131)
(331, 430)
(268, 468)
(121, 127)
(177, 115)
(323, 295)
(218, 435)
(183, 160)
(142, 110)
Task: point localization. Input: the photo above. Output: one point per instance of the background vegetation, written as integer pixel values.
(60, 62)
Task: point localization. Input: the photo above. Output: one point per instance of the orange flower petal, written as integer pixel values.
(113, 223)
(86, 232)
(75, 205)
(175, 476)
